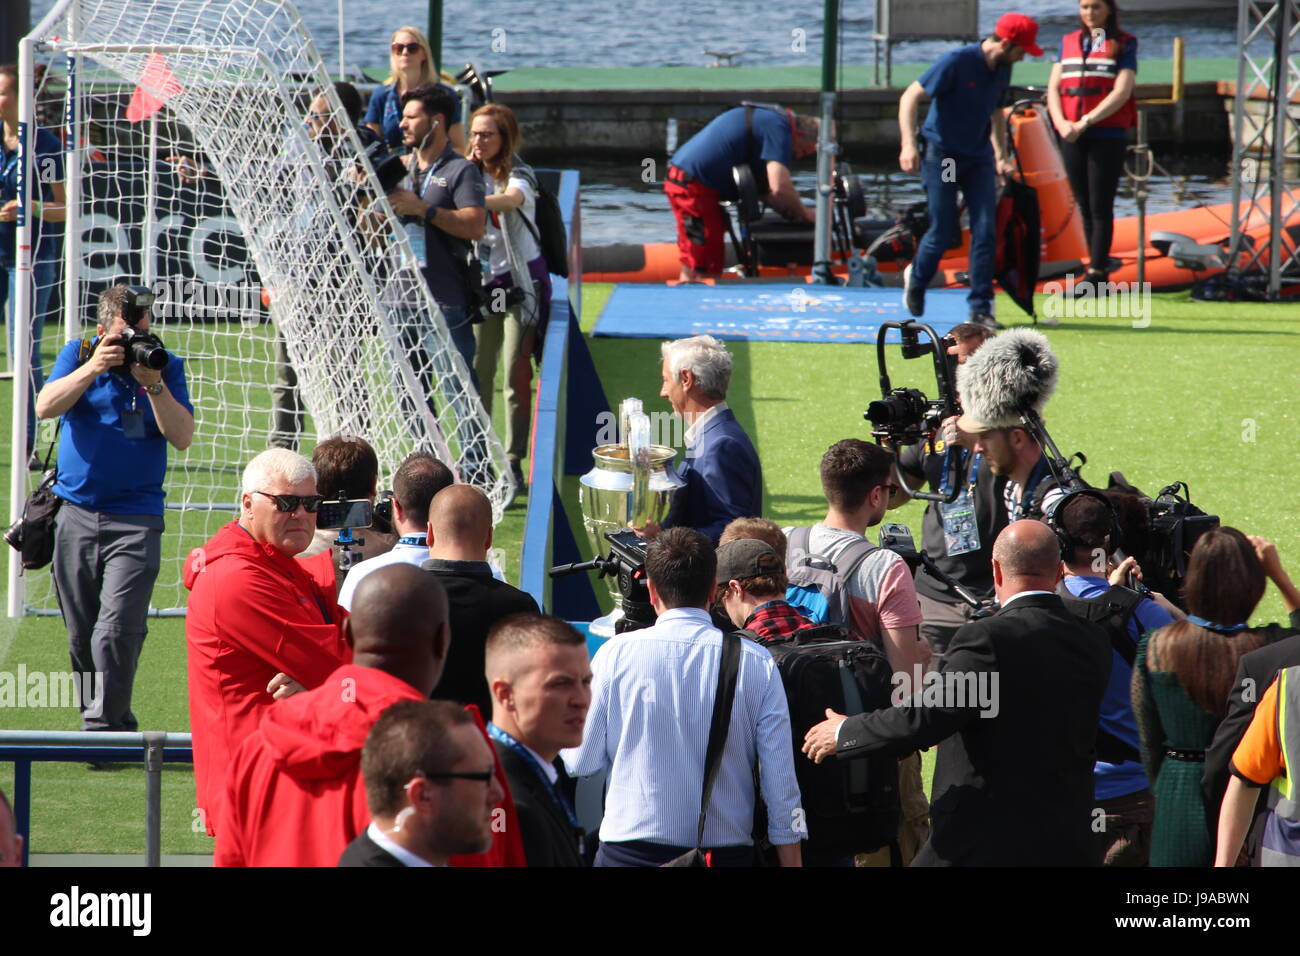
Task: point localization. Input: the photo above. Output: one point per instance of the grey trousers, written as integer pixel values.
(104, 571)
(942, 622)
(286, 406)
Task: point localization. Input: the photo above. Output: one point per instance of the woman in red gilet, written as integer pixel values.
(1090, 96)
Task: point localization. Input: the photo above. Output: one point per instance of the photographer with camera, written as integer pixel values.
(957, 535)
(122, 398)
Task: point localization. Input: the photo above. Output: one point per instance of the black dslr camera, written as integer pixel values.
(626, 561)
(905, 416)
(142, 348)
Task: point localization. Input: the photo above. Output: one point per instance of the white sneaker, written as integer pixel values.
(1049, 320)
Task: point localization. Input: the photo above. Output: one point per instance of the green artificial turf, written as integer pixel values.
(1206, 394)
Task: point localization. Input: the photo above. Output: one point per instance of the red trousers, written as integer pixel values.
(701, 230)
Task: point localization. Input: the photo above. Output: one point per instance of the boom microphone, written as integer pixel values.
(1009, 376)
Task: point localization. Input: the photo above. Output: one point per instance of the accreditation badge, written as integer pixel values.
(961, 534)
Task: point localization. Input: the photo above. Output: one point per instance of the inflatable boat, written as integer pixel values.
(1182, 247)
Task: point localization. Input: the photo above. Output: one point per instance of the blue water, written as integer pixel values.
(505, 34)
(617, 205)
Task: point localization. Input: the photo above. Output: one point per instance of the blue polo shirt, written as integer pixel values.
(48, 169)
(1119, 779)
(710, 153)
(964, 92)
(100, 469)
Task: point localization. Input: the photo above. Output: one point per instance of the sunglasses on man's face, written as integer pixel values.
(400, 48)
(290, 503)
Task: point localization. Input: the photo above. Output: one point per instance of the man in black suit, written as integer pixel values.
(1015, 702)
(430, 784)
(460, 533)
(539, 673)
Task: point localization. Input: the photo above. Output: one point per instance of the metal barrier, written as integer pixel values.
(152, 747)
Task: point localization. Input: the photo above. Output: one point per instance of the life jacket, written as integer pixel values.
(1087, 80)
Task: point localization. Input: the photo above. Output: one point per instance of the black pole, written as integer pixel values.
(435, 33)
(830, 43)
(15, 23)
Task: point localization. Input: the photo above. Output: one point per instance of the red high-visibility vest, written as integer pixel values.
(1087, 80)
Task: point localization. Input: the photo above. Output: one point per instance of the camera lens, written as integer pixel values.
(149, 354)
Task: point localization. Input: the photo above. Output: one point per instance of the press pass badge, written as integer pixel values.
(133, 423)
(415, 233)
(961, 535)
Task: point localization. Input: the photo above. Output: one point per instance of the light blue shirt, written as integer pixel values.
(652, 701)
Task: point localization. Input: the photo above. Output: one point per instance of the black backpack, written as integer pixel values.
(1112, 610)
(851, 806)
(552, 238)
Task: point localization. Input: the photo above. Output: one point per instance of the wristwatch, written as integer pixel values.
(154, 389)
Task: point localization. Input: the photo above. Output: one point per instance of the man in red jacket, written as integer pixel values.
(257, 626)
(295, 795)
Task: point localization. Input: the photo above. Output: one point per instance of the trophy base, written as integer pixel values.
(606, 626)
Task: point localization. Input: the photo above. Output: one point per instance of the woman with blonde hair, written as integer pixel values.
(410, 66)
(518, 290)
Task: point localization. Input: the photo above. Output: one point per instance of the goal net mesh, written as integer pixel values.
(193, 167)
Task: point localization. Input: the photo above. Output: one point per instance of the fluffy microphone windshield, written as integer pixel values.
(1009, 374)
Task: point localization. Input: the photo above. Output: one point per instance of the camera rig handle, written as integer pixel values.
(1061, 470)
(945, 375)
(915, 557)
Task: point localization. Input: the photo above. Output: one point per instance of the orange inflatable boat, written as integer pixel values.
(785, 249)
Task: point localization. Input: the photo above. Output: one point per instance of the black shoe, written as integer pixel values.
(986, 320)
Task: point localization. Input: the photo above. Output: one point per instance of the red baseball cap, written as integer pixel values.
(1020, 30)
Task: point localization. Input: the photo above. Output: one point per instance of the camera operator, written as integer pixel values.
(1086, 526)
(1011, 376)
(119, 417)
(348, 465)
(958, 535)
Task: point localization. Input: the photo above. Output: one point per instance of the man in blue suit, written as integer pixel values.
(723, 477)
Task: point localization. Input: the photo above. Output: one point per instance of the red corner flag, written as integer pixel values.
(157, 86)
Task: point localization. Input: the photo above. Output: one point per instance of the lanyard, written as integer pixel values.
(414, 540)
(504, 738)
(1027, 493)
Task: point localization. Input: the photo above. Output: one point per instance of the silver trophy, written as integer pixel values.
(632, 483)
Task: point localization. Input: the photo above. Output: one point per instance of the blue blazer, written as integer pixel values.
(723, 479)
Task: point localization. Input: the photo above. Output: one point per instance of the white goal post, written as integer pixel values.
(283, 279)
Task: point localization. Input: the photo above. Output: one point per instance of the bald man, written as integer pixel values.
(295, 796)
(460, 533)
(1014, 707)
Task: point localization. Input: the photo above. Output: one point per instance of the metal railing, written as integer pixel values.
(153, 748)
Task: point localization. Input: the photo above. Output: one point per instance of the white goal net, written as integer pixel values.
(189, 166)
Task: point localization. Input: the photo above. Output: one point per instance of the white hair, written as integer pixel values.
(706, 357)
(273, 462)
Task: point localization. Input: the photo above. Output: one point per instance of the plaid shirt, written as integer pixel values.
(776, 620)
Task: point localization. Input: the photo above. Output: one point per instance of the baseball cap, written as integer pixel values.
(1020, 30)
(747, 558)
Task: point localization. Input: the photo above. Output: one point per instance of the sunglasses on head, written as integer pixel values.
(290, 503)
(406, 48)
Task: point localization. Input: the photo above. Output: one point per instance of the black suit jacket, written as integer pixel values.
(1014, 789)
(364, 851)
(475, 602)
(1255, 671)
(549, 840)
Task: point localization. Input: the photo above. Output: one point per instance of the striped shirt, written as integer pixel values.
(652, 702)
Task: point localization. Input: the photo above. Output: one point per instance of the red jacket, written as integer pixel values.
(1087, 80)
(294, 793)
(252, 613)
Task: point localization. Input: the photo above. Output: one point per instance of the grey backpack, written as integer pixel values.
(817, 584)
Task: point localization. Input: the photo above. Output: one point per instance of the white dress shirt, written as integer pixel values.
(652, 702)
(385, 842)
(415, 554)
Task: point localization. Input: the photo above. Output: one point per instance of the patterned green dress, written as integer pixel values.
(1170, 720)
